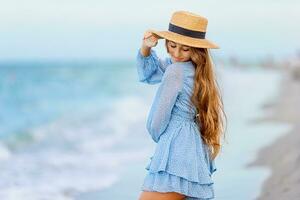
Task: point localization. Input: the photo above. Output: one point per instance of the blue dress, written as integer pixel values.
(181, 161)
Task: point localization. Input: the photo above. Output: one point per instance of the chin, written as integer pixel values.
(176, 60)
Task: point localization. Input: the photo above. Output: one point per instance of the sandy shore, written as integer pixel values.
(283, 156)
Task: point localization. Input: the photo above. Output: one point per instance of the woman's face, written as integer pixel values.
(178, 52)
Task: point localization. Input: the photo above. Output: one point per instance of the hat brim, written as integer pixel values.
(185, 40)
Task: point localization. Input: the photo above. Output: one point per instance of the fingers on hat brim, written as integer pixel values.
(155, 34)
(185, 40)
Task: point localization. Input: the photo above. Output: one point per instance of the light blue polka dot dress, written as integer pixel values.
(181, 161)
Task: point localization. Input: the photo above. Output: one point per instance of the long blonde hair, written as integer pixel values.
(207, 100)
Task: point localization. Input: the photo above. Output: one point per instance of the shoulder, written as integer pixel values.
(174, 76)
(174, 70)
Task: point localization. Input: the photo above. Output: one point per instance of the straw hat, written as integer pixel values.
(188, 29)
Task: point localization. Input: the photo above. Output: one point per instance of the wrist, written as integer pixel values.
(145, 47)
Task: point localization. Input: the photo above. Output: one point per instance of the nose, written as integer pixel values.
(176, 52)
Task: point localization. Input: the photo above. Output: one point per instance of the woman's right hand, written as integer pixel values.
(149, 40)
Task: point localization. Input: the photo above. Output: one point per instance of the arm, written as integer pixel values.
(150, 68)
(164, 101)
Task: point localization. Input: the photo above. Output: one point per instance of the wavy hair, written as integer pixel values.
(207, 99)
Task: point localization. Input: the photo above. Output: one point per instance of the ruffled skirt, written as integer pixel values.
(165, 182)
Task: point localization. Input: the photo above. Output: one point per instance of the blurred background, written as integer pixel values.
(73, 114)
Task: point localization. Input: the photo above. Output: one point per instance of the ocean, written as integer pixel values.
(76, 130)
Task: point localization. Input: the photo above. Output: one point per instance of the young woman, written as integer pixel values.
(186, 117)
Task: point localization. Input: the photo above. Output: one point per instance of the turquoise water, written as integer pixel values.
(57, 119)
(76, 130)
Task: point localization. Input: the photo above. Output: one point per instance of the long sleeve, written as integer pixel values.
(151, 68)
(164, 101)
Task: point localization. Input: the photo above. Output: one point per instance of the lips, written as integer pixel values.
(177, 59)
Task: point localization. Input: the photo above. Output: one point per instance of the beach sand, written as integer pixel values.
(283, 156)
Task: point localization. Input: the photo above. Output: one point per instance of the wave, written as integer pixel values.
(78, 152)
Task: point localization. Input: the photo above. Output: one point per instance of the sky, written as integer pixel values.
(90, 29)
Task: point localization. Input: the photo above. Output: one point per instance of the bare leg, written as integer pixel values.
(145, 195)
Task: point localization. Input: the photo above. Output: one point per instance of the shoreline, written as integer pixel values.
(282, 156)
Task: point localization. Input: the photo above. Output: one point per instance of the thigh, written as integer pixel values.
(145, 195)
